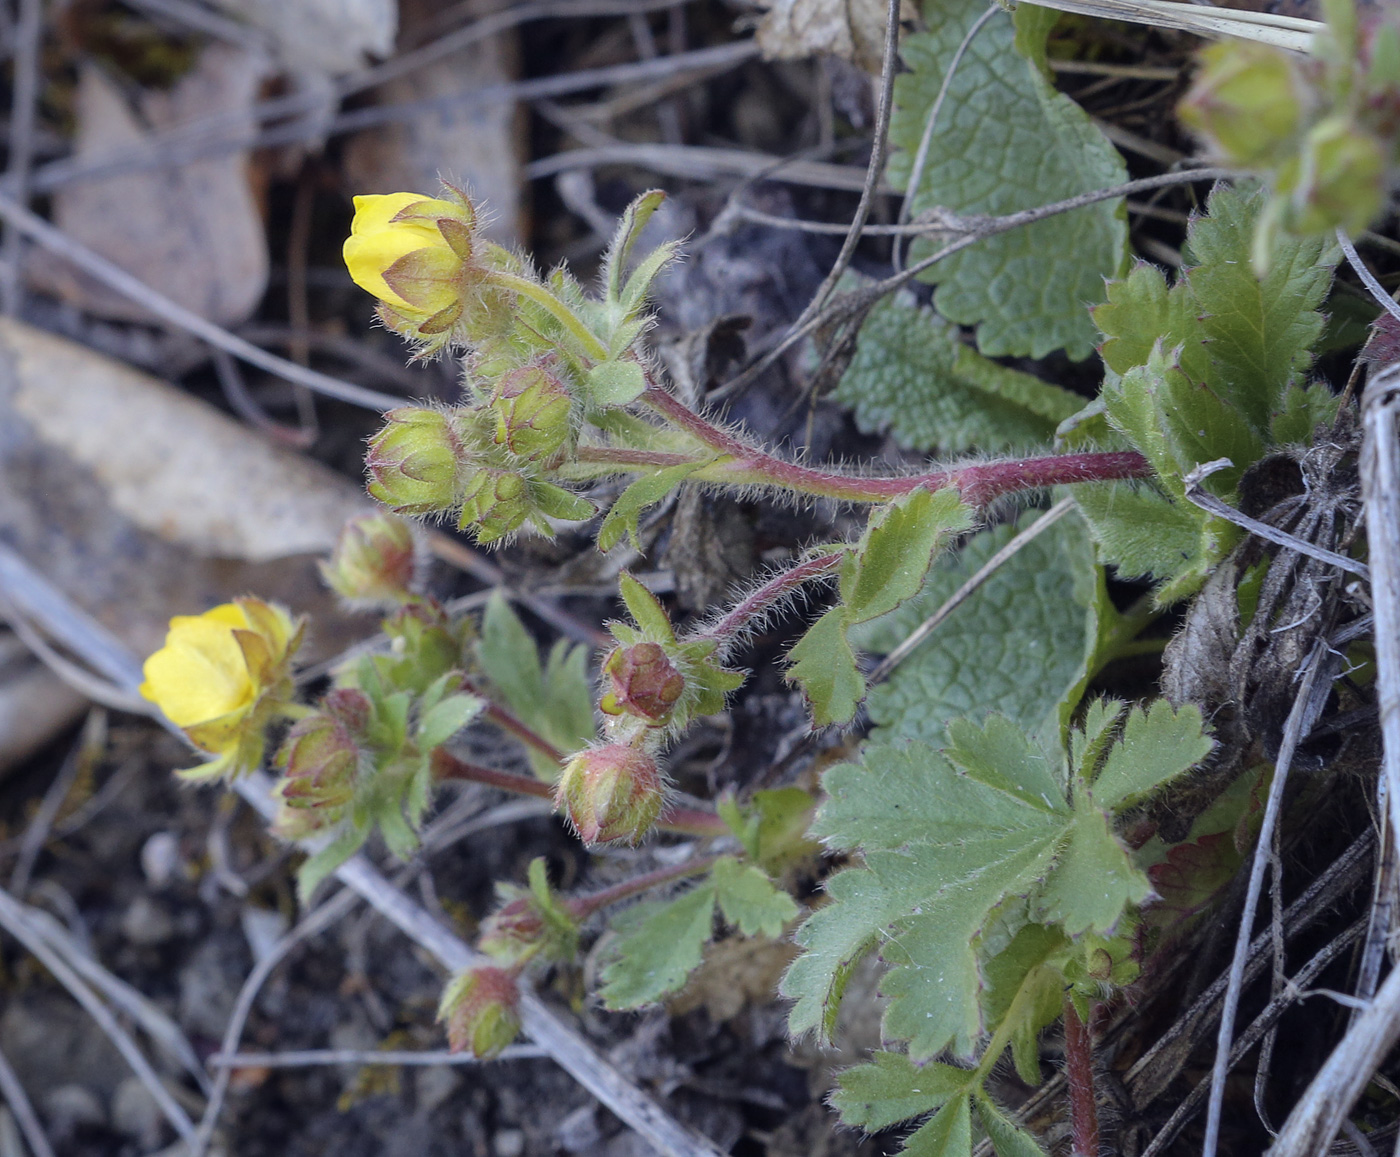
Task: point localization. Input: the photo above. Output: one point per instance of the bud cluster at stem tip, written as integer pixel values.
(375, 562)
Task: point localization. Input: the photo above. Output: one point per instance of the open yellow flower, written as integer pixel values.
(409, 251)
(222, 676)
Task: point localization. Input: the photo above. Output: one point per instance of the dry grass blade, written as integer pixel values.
(1289, 32)
(313, 1057)
(56, 241)
(16, 921)
(23, 1111)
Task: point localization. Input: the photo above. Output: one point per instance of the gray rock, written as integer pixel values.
(209, 986)
(67, 1107)
(508, 1143)
(135, 1114)
(147, 923)
(433, 1084)
(50, 1042)
(160, 858)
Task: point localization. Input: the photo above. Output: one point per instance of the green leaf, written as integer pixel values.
(649, 489)
(948, 1133)
(323, 863)
(1008, 1139)
(749, 900)
(1094, 880)
(646, 609)
(507, 653)
(1301, 412)
(615, 383)
(659, 944)
(1006, 140)
(889, 563)
(1018, 645)
(1157, 746)
(999, 754)
(1025, 986)
(566, 714)
(556, 502)
(913, 377)
(891, 1088)
(629, 228)
(784, 815)
(1142, 532)
(824, 666)
(447, 718)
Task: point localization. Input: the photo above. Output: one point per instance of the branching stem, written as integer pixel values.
(689, 821)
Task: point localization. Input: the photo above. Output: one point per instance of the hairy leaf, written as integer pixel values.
(749, 900)
(824, 666)
(1006, 140)
(1017, 646)
(912, 376)
(891, 1088)
(647, 490)
(659, 943)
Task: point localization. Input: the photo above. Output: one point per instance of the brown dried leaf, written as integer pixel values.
(851, 29)
(193, 231)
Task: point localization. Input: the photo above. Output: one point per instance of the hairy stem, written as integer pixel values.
(977, 484)
(1079, 1074)
(566, 317)
(687, 820)
(509, 723)
(774, 591)
(584, 906)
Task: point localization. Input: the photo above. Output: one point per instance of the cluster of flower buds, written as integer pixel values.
(1323, 127)
(223, 677)
(530, 923)
(481, 1009)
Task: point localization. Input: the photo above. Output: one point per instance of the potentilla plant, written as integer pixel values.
(989, 864)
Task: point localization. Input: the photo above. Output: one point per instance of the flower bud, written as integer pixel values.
(375, 561)
(412, 461)
(531, 406)
(643, 682)
(320, 754)
(494, 502)
(611, 793)
(481, 1008)
(513, 933)
(1245, 101)
(1339, 180)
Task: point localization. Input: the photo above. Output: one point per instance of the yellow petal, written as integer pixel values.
(200, 673)
(376, 240)
(375, 211)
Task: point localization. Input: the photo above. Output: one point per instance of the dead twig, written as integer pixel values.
(24, 102)
(1197, 495)
(23, 1111)
(310, 1058)
(83, 755)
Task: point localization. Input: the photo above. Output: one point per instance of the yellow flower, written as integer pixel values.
(222, 676)
(397, 251)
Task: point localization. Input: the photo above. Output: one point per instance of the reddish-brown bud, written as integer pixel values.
(481, 1009)
(320, 754)
(375, 560)
(642, 681)
(513, 933)
(611, 793)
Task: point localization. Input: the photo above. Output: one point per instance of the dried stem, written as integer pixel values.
(1079, 1071)
(691, 821)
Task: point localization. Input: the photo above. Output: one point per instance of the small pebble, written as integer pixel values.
(579, 1132)
(263, 928)
(433, 1085)
(147, 923)
(160, 858)
(508, 1143)
(135, 1113)
(67, 1107)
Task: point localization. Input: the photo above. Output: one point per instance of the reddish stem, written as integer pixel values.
(584, 906)
(743, 614)
(978, 485)
(690, 821)
(522, 731)
(1079, 1074)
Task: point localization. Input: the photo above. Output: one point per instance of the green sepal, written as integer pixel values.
(646, 610)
